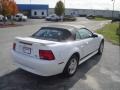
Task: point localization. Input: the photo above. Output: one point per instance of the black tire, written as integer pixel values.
(101, 47)
(66, 71)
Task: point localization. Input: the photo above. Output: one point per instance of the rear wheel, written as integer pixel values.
(71, 66)
(101, 47)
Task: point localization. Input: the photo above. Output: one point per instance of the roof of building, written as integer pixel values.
(32, 6)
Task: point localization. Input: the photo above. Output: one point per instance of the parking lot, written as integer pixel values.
(93, 25)
(98, 73)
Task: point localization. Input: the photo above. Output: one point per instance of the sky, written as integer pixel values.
(77, 4)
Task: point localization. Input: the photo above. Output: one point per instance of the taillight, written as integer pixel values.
(46, 55)
(14, 46)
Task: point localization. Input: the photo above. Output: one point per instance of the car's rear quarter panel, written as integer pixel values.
(64, 51)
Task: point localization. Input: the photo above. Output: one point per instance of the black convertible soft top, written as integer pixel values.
(69, 31)
(71, 28)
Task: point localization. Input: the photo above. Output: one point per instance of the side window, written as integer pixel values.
(84, 33)
(77, 36)
(42, 13)
(35, 13)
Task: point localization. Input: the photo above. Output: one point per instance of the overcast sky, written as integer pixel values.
(78, 4)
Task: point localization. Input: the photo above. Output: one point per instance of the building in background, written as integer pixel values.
(34, 10)
(42, 10)
(87, 12)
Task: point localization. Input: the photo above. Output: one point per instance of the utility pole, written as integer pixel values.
(113, 9)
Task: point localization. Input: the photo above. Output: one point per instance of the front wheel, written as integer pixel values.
(71, 66)
(101, 47)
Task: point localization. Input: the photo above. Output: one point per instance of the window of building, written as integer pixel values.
(35, 13)
(42, 13)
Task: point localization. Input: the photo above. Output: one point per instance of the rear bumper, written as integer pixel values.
(37, 66)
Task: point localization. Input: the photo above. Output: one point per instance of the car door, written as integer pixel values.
(88, 40)
(79, 44)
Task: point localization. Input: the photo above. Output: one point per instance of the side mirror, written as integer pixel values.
(94, 35)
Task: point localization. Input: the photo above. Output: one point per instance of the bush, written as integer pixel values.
(69, 18)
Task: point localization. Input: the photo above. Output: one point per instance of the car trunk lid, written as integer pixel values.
(31, 46)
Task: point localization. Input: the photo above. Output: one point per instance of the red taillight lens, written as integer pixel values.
(46, 55)
(14, 46)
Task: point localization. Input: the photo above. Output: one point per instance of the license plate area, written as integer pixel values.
(26, 50)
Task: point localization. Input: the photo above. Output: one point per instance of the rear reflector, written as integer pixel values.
(14, 46)
(46, 55)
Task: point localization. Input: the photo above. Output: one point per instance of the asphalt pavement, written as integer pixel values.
(101, 72)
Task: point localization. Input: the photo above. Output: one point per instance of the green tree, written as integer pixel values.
(59, 8)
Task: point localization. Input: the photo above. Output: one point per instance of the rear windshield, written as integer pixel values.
(52, 34)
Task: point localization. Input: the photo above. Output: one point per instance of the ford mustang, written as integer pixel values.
(56, 49)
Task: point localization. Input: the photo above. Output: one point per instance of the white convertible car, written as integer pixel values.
(56, 49)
